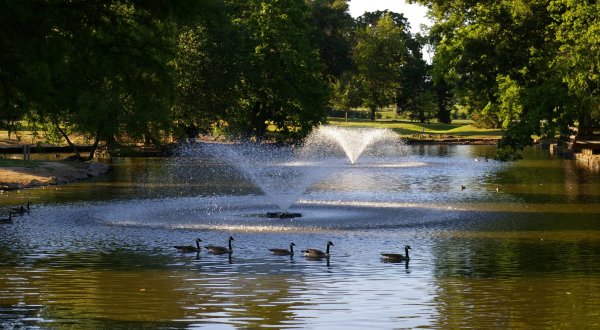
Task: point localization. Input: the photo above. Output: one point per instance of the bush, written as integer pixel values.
(505, 154)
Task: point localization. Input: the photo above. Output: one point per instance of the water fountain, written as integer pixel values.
(284, 173)
(327, 141)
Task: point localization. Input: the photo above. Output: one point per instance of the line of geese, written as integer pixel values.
(16, 211)
(310, 253)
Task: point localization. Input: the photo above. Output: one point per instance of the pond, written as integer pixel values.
(494, 245)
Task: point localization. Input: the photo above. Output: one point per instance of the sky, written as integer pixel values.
(414, 13)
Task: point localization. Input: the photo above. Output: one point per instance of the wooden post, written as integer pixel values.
(26, 152)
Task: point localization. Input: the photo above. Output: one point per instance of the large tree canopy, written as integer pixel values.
(281, 75)
(379, 56)
(526, 66)
(93, 68)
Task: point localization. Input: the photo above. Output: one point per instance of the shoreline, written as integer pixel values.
(46, 173)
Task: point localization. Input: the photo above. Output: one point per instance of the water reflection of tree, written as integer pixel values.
(536, 179)
(530, 280)
(128, 288)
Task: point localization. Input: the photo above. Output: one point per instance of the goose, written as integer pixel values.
(316, 253)
(189, 248)
(397, 256)
(220, 249)
(21, 209)
(284, 252)
(18, 210)
(7, 220)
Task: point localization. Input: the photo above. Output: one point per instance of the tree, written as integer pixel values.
(281, 80)
(98, 69)
(379, 56)
(503, 61)
(206, 72)
(578, 58)
(332, 36)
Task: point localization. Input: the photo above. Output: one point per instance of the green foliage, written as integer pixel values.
(529, 67)
(93, 68)
(577, 24)
(281, 81)
(206, 73)
(332, 35)
(379, 55)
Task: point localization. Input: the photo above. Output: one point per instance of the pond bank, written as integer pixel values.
(43, 173)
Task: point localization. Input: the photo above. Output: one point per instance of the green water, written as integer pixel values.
(519, 247)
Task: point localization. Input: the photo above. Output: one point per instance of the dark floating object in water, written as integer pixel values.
(189, 248)
(397, 256)
(283, 215)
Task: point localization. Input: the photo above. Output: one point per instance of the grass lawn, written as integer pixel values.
(406, 128)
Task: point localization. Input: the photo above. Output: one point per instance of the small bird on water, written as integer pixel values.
(284, 252)
(220, 249)
(189, 248)
(316, 253)
(397, 256)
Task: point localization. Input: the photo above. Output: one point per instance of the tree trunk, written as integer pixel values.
(94, 146)
(64, 134)
(373, 109)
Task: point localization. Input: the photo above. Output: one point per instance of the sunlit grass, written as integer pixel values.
(462, 128)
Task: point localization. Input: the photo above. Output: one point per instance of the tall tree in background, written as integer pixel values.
(282, 78)
(379, 56)
(332, 35)
(207, 72)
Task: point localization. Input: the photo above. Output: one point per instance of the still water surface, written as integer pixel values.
(519, 247)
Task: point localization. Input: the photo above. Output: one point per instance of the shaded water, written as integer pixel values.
(519, 247)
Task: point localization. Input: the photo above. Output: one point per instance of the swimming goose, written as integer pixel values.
(7, 220)
(316, 253)
(220, 249)
(18, 210)
(21, 209)
(397, 256)
(284, 252)
(189, 248)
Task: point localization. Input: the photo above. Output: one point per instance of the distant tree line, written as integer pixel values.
(149, 69)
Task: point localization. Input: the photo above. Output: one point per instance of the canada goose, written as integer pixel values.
(189, 248)
(284, 252)
(21, 209)
(397, 256)
(220, 249)
(7, 220)
(18, 210)
(316, 253)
